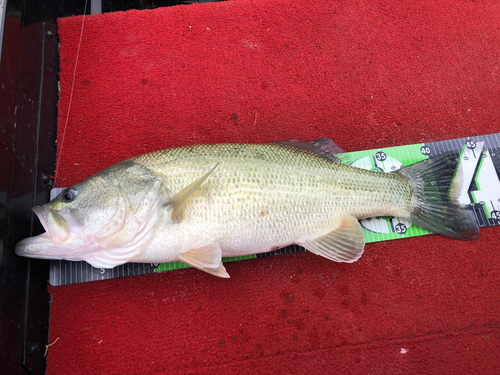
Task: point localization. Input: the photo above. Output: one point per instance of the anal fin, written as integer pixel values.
(343, 244)
(207, 258)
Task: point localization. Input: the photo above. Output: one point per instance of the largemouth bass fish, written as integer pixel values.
(196, 204)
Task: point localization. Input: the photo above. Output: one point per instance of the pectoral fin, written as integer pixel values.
(181, 197)
(343, 244)
(207, 258)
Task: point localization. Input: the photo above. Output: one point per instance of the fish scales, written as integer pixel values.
(263, 196)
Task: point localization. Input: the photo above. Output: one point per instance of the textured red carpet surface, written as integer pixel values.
(366, 74)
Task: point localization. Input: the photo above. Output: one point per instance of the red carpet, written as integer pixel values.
(366, 74)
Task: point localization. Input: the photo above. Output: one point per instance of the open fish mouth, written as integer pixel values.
(48, 245)
(54, 224)
(42, 247)
(38, 247)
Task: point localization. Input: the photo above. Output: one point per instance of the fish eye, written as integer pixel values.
(69, 195)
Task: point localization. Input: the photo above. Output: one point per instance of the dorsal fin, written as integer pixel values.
(322, 146)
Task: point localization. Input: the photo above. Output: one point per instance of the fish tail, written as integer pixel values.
(436, 184)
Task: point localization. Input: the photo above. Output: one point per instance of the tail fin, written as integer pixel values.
(436, 183)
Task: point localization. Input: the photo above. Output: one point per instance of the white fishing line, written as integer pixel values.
(71, 94)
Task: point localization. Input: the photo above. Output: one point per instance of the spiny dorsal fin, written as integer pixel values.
(343, 244)
(182, 196)
(207, 258)
(322, 146)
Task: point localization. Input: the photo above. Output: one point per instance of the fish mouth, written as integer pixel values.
(48, 245)
(40, 247)
(55, 226)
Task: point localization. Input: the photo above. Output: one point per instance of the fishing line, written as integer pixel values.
(71, 94)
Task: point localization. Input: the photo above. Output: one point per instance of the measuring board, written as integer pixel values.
(479, 157)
